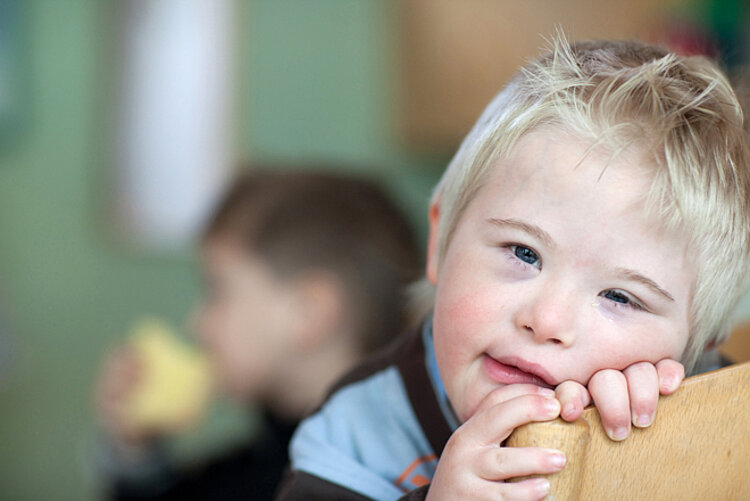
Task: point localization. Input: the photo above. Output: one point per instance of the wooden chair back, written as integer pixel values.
(697, 448)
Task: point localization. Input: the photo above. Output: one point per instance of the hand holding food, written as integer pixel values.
(156, 384)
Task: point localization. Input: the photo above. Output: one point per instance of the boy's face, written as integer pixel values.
(554, 272)
(245, 320)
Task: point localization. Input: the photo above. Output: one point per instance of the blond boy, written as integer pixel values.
(591, 231)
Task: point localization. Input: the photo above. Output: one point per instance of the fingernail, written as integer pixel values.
(642, 421)
(552, 406)
(546, 392)
(668, 384)
(619, 434)
(557, 459)
(542, 486)
(569, 409)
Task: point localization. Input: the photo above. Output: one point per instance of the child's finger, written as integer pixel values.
(120, 374)
(495, 424)
(609, 391)
(573, 397)
(503, 463)
(509, 392)
(671, 373)
(532, 489)
(643, 390)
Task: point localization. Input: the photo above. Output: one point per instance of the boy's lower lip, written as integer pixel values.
(509, 374)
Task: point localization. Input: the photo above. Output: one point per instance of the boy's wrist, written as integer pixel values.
(130, 463)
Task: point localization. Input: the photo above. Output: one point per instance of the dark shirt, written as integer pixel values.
(248, 472)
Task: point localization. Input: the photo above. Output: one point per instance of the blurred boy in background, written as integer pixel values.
(303, 274)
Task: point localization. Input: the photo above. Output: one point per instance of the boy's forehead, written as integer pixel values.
(547, 145)
(545, 163)
(575, 191)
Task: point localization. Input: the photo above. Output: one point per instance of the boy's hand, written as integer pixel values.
(473, 465)
(622, 397)
(116, 382)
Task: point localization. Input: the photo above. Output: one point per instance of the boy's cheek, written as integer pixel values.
(467, 307)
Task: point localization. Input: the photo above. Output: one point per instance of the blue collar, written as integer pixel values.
(432, 370)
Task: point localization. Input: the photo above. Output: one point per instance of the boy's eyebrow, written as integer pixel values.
(637, 277)
(532, 229)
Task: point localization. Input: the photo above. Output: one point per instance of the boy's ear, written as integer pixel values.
(433, 215)
(321, 309)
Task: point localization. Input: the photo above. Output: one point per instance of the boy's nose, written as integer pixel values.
(549, 319)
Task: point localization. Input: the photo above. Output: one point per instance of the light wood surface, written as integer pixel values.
(698, 447)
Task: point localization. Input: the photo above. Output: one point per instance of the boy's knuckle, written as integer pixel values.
(492, 399)
(500, 464)
(497, 397)
(457, 442)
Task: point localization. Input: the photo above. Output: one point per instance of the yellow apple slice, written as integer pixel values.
(175, 383)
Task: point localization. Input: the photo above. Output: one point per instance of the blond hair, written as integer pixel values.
(681, 110)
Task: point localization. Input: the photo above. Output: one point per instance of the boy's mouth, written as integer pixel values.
(513, 370)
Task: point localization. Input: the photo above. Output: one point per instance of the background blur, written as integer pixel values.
(96, 215)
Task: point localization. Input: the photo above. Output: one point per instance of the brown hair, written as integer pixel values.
(302, 220)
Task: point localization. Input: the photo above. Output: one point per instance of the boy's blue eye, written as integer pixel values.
(526, 255)
(618, 297)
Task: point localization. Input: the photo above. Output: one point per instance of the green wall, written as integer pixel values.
(317, 82)
(67, 292)
(321, 82)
